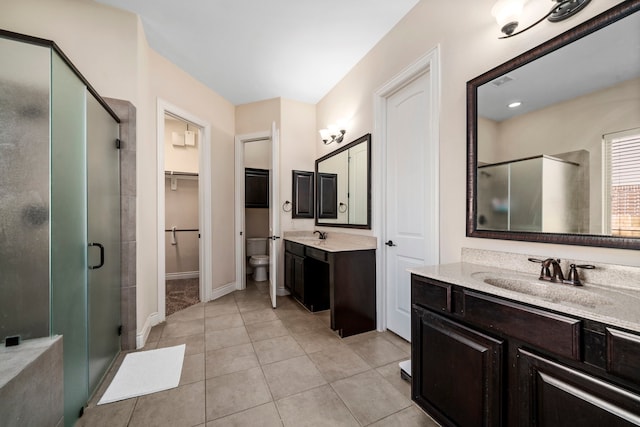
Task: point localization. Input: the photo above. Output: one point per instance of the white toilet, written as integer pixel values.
(257, 250)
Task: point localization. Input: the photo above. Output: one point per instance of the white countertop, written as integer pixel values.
(335, 242)
(614, 304)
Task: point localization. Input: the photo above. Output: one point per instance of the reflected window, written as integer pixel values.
(622, 183)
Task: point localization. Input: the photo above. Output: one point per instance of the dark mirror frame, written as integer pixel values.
(365, 138)
(594, 24)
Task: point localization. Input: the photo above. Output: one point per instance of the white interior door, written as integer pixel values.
(408, 204)
(274, 213)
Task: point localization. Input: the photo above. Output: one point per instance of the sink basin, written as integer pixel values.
(552, 292)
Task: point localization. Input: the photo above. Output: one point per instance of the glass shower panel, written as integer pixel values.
(493, 197)
(526, 195)
(24, 190)
(69, 231)
(103, 161)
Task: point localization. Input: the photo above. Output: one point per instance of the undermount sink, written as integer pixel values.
(549, 291)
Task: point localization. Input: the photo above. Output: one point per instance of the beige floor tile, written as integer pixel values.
(229, 298)
(410, 417)
(292, 376)
(391, 373)
(324, 316)
(377, 351)
(182, 329)
(194, 343)
(259, 316)
(318, 340)
(155, 333)
(360, 337)
(253, 304)
(320, 406)
(190, 313)
(276, 349)
(226, 321)
(182, 406)
(370, 397)
(397, 340)
(226, 338)
(302, 324)
(115, 414)
(230, 359)
(338, 362)
(266, 330)
(291, 309)
(261, 416)
(231, 393)
(215, 310)
(192, 369)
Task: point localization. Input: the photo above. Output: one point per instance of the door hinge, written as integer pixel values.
(118, 143)
(120, 330)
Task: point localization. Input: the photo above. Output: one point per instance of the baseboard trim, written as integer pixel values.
(141, 337)
(223, 290)
(182, 275)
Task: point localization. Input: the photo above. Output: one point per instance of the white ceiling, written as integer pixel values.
(251, 50)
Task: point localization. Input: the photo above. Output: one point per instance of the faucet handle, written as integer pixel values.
(544, 271)
(572, 277)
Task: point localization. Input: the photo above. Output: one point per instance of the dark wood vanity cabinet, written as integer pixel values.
(480, 360)
(344, 282)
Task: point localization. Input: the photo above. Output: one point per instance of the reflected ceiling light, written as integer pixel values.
(333, 133)
(515, 104)
(508, 14)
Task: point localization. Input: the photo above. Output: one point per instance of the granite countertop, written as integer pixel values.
(615, 304)
(335, 242)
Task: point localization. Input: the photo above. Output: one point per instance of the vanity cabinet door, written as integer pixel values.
(457, 371)
(294, 275)
(554, 395)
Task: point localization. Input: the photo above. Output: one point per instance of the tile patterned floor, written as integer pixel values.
(249, 365)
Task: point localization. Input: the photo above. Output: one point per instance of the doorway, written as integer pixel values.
(184, 210)
(408, 215)
(264, 145)
(181, 203)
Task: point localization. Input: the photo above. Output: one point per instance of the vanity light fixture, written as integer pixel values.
(333, 133)
(508, 12)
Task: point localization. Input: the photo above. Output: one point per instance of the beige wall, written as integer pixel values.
(181, 211)
(468, 48)
(180, 158)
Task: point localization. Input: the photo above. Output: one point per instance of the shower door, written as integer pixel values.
(103, 228)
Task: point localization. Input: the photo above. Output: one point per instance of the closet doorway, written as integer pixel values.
(184, 211)
(181, 210)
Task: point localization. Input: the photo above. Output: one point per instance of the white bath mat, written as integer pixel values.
(146, 372)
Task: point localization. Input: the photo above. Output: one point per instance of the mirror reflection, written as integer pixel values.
(558, 139)
(343, 186)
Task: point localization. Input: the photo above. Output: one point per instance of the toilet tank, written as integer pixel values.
(256, 246)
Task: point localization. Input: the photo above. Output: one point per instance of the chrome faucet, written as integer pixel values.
(322, 235)
(552, 271)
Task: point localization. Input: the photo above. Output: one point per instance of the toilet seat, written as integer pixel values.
(259, 259)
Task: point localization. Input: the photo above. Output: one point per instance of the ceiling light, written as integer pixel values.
(515, 104)
(508, 14)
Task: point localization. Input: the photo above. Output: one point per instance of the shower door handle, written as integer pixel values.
(95, 267)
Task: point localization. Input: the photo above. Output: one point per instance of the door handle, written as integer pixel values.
(274, 237)
(95, 267)
(390, 243)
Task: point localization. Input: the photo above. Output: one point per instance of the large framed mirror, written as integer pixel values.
(343, 186)
(553, 139)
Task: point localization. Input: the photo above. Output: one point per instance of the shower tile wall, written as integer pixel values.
(127, 113)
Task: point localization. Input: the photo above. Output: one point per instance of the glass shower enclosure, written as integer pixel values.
(59, 212)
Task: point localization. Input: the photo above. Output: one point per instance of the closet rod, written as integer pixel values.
(183, 229)
(175, 173)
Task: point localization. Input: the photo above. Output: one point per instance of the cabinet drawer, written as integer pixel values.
(553, 332)
(431, 294)
(316, 253)
(294, 248)
(623, 354)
